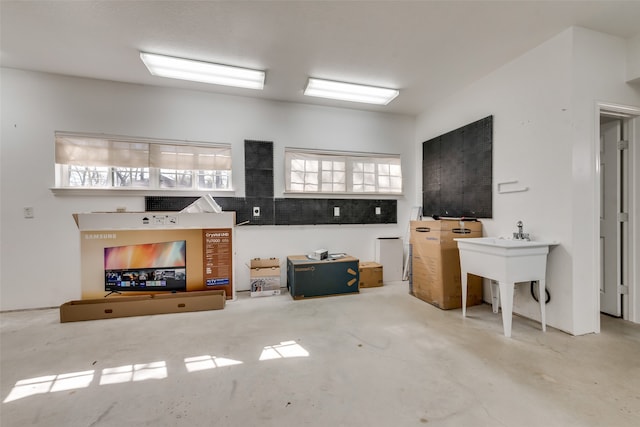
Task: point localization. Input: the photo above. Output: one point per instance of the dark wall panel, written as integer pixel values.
(258, 164)
(258, 154)
(457, 172)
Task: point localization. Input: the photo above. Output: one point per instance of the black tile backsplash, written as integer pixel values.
(290, 211)
(300, 211)
(266, 207)
(167, 203)
(321, 211)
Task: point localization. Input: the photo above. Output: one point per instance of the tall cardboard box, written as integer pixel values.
(436, 263)
(265, 277)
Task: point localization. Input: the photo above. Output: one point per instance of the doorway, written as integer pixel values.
(617, 136)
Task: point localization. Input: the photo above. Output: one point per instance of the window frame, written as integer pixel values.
(350, 158)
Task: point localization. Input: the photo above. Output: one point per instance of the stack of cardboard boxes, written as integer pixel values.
(435, 262)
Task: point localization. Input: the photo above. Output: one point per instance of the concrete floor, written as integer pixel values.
(380, 358)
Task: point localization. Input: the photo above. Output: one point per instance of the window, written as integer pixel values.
(333, 176)
(87, 161)
(364, 176)
(341, 172)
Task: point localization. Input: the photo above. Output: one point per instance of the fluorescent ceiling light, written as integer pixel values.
(350, 92)
(205, 72)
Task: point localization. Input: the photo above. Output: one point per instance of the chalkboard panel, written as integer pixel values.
(457, 172)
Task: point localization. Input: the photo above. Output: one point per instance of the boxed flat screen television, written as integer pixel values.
(146, 252)
(146, 267)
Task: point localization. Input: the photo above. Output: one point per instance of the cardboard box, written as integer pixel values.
(435, 264)
(119, 306)
(265, 277)
(371, 274)
(308, 278)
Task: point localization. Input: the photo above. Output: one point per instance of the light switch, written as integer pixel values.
(336, 211)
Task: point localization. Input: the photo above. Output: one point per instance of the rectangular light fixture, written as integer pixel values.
(350, 92)
(205, 72)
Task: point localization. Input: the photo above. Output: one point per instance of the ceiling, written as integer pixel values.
(427, 49)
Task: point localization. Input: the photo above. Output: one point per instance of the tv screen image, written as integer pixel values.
(146, 267)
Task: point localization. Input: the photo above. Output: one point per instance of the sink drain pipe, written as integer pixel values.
(548, 295)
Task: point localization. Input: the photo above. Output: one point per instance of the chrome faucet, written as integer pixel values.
(519, 235)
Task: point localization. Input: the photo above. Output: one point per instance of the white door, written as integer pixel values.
(610, 249)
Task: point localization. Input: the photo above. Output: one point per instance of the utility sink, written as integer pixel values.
(498, 242)
(506, 262)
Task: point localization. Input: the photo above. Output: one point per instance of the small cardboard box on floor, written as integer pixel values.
(265, 277)
(436, 263)
(371, 274)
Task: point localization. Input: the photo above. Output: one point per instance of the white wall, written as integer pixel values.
(544, 129)
(633, 58)
(598, 75)
(40, 256)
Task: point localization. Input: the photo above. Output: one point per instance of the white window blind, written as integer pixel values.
(86, 151)
(189, 157)
(99, 161)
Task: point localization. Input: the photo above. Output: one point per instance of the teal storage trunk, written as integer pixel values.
(307, 278)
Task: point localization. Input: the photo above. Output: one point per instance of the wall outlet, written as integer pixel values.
(336, 211)
(378, 210)
(28, 212)
(256, 211)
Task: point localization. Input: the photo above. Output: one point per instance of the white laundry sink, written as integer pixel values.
(506, 262)
(498, 242)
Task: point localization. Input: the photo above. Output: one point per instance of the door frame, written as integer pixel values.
(612, 233)
(630, 301)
